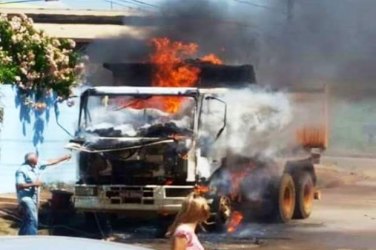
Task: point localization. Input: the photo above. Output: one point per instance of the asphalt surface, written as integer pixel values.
(344, 219)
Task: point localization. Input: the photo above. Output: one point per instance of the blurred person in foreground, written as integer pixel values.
(27, 186)
(194, 211)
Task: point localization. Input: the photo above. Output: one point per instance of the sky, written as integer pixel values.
(95, 4)
(106, 4)
(120, 4)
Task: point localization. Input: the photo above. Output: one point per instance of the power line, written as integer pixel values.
(22, 1)
(123, 4)
(116, 3)
(267, 7)
(137, 4)
(144, 3)
(290, 8)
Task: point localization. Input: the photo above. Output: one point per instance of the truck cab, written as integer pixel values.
(139, 147)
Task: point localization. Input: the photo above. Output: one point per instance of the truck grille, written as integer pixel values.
(130, 195)
(86, 191)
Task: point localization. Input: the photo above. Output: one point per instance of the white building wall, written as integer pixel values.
(27, 131)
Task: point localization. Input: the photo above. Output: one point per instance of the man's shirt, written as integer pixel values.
(26, 175)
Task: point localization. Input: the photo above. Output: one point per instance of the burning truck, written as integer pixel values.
(142, 149)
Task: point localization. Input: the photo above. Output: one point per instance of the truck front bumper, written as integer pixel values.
(118, 198)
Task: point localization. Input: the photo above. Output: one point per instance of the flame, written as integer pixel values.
(171, 70)
(211, 58)
(201, 189)
(162, 103)
(235, 220)
(236, 179)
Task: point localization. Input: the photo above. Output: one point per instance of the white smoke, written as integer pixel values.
(257, 120)
(129, 121)
(125, 120)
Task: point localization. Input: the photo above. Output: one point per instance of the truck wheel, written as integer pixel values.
(304, 195)
(221, 212)
(285, 199)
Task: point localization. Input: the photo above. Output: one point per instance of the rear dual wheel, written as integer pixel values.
(304, 195)
(294, 197)
(285, 199)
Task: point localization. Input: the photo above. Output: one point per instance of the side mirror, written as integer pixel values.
(69, 102)
(213, 98)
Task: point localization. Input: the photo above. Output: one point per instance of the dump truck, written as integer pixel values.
(142, 150)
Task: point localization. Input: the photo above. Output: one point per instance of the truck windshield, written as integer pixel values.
(138, 115)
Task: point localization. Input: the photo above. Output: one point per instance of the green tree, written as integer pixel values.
(35, 62)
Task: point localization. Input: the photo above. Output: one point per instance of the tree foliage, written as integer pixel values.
(35, 62)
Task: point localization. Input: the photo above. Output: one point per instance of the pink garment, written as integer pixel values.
(188, 233)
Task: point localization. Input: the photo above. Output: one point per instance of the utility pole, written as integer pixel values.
(288, 54)
(290, 10)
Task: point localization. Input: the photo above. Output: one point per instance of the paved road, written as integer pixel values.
(345, 218)
(360, 165)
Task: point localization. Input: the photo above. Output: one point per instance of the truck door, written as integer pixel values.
(212, 123)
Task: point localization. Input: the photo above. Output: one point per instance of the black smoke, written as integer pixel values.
(321, 41)
(324, 41)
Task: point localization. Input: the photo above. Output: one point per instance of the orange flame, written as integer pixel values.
(236, 179)
(211, 58)
(235, 220)
(170, 70)
(201, 189)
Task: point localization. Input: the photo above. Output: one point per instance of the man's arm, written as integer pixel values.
(58, 160)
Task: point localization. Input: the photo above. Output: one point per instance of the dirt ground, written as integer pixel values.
(345, 218)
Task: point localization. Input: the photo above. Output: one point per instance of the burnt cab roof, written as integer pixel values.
(210, 76)
(123, 90)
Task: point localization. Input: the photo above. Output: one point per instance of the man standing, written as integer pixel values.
(27, 185)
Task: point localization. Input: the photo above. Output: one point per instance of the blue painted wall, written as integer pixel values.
(26, 130)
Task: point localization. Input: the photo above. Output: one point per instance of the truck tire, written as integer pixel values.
(285, 199)
(304, 194)
(220, 213)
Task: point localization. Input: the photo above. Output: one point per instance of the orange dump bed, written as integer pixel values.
(312, 118)
(312, 137)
